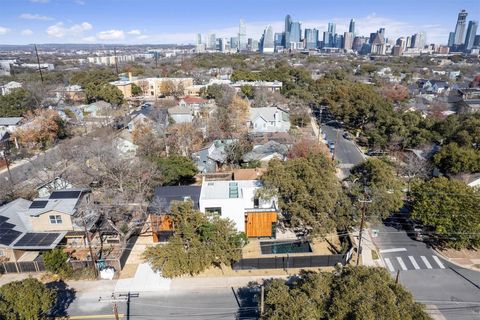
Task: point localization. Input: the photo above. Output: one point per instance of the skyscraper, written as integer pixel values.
(234, 43)
(348, 40)
(311, 38)
(471, 32)
(211, 41)
(242, 35)
(351, 28)
(267, 40)
(451, 39)
(331, 27)
(279, 39)
(460, 28)
(288, 26)
(418, 40)
(295, 32)
(199, 38)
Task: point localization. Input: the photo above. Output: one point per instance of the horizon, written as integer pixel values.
(84, 22)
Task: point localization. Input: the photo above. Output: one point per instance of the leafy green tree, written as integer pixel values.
(176, 169)
(136, 90)
(377, 177)
(307, 191)
(199, 241)
(351, 293)
(15, 104)
(106, 92)
(247, 91)
(56, 261)
(453, 159)
(451, 208)
(28, 299)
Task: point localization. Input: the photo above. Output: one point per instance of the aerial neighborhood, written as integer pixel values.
(292, 177)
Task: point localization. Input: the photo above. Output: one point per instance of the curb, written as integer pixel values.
(455, 263)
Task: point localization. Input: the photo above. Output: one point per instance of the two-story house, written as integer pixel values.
(268, 119)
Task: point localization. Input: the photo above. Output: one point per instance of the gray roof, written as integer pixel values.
(267, 113)
(179, 110)
(14, 211)
(166, 196)
(265, 150)
(221, 189)
(10, 121)
(65, 205)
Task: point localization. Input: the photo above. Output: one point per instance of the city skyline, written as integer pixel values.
(83, 21)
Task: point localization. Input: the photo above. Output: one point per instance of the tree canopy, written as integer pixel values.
(176, 169)
(56, 261)
(28, 299)
(451, 208)
(199, 241)
(307, 191)
(16, 103)
(352, 293)
(96, 83)
(377, 176)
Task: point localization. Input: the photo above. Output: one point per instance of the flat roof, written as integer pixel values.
(226, 189)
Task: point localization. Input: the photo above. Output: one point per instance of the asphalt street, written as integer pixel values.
(346, 152)
(221, 303)
(442, 286)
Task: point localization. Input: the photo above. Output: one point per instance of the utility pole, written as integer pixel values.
(156, 60)
(262, 299)
(364, 202)
(38, 62)
(398, 276)
(114, 300)
(115, 309)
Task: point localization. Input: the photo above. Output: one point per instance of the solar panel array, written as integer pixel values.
(65, 194)
(7, 234)
(37, 239)
(38, 204)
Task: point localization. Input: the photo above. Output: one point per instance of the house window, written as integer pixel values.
(2, 253)
(55, 219)
(256, 202)
(214, 210)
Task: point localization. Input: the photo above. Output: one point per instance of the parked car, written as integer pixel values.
(347, 136)
(376, 153)
(415, 230)
(331, 145)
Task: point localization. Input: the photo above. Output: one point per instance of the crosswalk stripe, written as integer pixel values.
(402, 264)
(437, 260)
(415, 264)
(424, 259)
(389, 265)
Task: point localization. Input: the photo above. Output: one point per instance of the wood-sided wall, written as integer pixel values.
(259, 224)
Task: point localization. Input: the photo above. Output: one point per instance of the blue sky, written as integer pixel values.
(168, 21)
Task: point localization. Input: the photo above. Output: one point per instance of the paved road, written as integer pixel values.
(220, 303)
(442, 286)
(347, 153)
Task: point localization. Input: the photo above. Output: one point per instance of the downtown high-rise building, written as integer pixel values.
(419, 40)
(288, 26)
(267, 41)
(279, 39)
(211, 41)
(234, 43)
(295, 32)
(351, 27)
(471, 33)
(311, 39)
(199, 39)
(348, 40)
(460, 28)
(329, 36)
(242, 36)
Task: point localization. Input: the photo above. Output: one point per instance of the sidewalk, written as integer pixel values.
(467, 259)
(368, 247)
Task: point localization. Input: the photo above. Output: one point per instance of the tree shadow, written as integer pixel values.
(65, 296)
(247, 299)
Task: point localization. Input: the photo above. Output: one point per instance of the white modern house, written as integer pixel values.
(7, 88)
(238, 201)
(268, 119)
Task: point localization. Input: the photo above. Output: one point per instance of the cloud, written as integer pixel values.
(30, 16)
(112, 34)
(4, 30)
(59, 30)
(26, 32)
(89, 39)
(39, 1)
(135, 32)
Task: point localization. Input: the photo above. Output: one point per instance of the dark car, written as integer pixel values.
(347, 136)
(415, 230)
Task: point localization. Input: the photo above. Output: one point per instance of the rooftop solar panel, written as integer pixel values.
(65, 194)
(38, 204)
(8, 236)
(37, 239)
(3, 219)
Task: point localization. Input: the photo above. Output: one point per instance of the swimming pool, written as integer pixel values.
(279, 247)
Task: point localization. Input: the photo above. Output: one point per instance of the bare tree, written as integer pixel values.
(414, 167)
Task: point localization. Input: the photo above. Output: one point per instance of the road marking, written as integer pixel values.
(393, 250)
(424, 259)
(402, 264)
(389, 265)
(437, 260)
(415, 264)
(98, 316)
